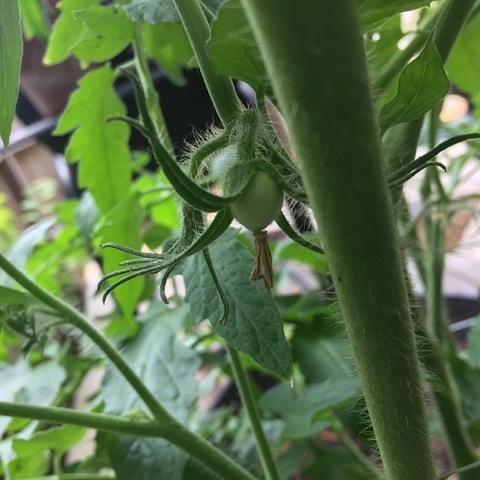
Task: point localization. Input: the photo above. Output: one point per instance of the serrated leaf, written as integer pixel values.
(100, 148)
(168, 369)
(254, 325)
(463, 63)
(11, 46)
(33, 19)
(123, 225)
(67, 31)
(168, 44)
(233, 48)
(111, 32)
(422, 84)
(375, 12)
(155, 12)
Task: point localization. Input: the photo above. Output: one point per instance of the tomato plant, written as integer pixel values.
(342, 91)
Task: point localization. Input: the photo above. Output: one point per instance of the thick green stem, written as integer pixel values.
(250, 405)
(171, 429)
(314, 55)
(220, 88)
(405, 137)
(153, 101)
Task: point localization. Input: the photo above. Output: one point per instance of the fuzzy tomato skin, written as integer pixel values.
(259, 204)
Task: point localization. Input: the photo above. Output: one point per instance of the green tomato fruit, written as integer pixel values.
(259, 204)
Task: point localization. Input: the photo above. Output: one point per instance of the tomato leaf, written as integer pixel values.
(254, 325)
(34, 19)
(168, 370)
(155, 12)
(233, 48)
(110, 32)
(375, 12)
(307, 414)
(67, 31)
(168, 44)
(100, 148)
(123, 224)
(463, 63)
(11, 47)
(422, 84)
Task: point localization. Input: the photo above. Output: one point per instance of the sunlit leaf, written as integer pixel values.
(463, 64)
(100, 148)
(34, 19)
(168, 44)
(154, 12)
(422, 84)
(375, 12)
(67, 31)
(233, 49)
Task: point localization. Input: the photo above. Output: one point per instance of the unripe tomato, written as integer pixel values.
(261, 201)
(259, 204)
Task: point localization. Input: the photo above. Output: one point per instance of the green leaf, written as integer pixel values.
(67, 31)
(168, 369)
(59, 439)
(322, 349)
(463, 63)
(24, 384)
(10, 58)
(422, 84)
(111, 32)
(308, 414)
(154, 12)
(375, 12)
(468, 381)
(123, 224)
(100, 148)
(22, 249)
(145, 458)
(168, 44)
(34, 19)
(9, 296)
(233, 49)
(254, 325)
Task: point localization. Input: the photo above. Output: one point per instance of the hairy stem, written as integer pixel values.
(153, 101)
(220, 88)
(98, 421)
(171, 429)
(400, 147)
(314, 55)
(250, 405)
